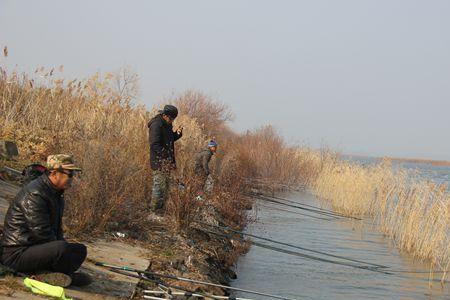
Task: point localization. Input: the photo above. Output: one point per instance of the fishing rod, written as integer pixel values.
(188, 294)
(292, 246)
(269, 206)
(303, 206)
(153, 298)
(167, 287)
(306, 256)
(206, 295)
(164, 286)
(335, 215)
(153, 274)
(376, 266)
(298, 205)
(292, 212)
(303, 214)
(258, 196)
(295, 202)
(311, 257)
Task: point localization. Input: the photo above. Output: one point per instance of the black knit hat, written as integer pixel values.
(170, 110)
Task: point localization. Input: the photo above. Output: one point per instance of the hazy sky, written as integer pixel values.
(365, 77)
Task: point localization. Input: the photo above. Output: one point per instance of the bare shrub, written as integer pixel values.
(211, 115)
(183, 207)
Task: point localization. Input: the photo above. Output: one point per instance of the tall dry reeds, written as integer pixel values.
(103, 130)
(97, 121)
(414, 212)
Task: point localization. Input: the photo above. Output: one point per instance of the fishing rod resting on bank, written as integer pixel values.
(269, 206)
(302, 207)
(371, 266)
(298, 206)
(153, 274)
(180, 291)
(306, 256)
(167, 288)
(224, 228)
(188, 294)
(294, 202)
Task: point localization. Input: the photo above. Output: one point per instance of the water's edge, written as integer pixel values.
(290, 276)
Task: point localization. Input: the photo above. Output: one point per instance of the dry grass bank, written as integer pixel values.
(97, 121)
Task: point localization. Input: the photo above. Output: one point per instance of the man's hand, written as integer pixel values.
(180, 130)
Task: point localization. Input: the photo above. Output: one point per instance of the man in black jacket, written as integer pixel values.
(33, 240)
(162, 153)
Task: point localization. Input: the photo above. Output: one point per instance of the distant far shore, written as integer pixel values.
(433, 162)
(421, 161)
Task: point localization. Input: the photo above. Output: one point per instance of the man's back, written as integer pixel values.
(161, 138)
(34, 215)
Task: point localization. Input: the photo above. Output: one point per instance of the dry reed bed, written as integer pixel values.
(97, 122)
(411, 211)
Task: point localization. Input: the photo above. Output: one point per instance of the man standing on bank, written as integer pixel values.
(33, 240)
(162, 154)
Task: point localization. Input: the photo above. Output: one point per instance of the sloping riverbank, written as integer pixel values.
(192, 254)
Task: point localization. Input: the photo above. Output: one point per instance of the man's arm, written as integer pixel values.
(37, 217)
(178, 134)
(155, 138)
(60, 233)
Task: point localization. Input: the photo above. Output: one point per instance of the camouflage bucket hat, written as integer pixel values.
(61, 161)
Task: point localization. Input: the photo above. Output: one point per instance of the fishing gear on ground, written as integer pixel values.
(189, 294)
(168, 287)
(152, 275)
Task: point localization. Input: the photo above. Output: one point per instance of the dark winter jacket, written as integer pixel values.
(202, 162)
(162, 139)
(35, 215)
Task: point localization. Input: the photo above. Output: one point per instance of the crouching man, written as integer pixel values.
(201, 166)
(33, 240)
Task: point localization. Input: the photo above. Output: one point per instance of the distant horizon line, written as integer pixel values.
(434, 162)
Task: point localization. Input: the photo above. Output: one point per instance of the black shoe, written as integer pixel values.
(81, 279)
(58, 279)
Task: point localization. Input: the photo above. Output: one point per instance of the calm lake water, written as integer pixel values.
(290, 276)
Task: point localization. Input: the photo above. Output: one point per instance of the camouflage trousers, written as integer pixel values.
(205, 183)
(160, 190)
(209, 184)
